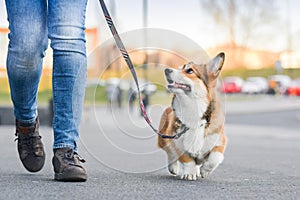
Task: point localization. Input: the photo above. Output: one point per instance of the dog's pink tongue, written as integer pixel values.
(178, 85)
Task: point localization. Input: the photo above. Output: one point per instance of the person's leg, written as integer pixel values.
(27, 44)
(66, 31)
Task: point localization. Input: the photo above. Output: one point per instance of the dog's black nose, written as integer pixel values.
(168, 71)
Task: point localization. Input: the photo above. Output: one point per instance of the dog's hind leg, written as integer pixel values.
(215, 158)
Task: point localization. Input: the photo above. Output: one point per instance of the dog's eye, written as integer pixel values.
(189, 71)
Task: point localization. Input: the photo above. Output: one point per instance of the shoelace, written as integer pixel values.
(27, 139)
(71, 154)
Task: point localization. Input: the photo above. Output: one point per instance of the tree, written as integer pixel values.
(243, 19)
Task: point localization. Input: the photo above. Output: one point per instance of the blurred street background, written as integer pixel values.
(259, 86)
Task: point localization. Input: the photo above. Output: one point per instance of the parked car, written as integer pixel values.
(294, 88)
(255, 85)
(231, 84)
(279, 84)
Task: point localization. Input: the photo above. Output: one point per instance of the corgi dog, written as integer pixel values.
(196, 119)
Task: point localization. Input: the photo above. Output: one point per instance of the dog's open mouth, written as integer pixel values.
(173, 84)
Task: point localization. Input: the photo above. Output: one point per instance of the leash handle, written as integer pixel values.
(128, 61)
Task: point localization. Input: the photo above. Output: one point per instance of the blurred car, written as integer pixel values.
(231, 84)
(294, 88)
(255, 85)
(279, 84)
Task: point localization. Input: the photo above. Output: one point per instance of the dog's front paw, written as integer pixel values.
(204, 172)
(213, 161)
(174, 168)
(189, 171)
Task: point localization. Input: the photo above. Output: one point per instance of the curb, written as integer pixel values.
(7, 116)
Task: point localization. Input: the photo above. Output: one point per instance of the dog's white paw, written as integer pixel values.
(189, 171)
(174, 168)
(213, 161)
(189, 177)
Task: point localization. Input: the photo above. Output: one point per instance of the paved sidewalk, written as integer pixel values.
(123, 162)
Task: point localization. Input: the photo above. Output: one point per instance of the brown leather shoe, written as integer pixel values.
(30, 147)
(67, 166)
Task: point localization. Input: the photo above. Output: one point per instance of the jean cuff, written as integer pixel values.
(26, 123)
(62, 145)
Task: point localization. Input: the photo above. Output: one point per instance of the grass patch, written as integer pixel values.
(92, 94)
(95, 94)
(266, 72)
(44, 97)
(5, 98)
(161, 98)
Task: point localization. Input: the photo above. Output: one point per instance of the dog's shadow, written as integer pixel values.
(168, 178)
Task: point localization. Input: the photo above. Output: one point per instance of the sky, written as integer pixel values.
(187, 18)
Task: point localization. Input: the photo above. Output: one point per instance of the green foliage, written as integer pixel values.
(92, 94)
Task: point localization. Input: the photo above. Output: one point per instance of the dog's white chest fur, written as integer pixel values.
(192, 141)
(190, 112)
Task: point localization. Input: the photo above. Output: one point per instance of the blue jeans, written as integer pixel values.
(31, 23)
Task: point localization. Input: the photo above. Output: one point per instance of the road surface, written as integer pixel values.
(123, 162)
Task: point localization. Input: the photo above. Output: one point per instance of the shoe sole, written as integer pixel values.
(33, 164)
(70, 177)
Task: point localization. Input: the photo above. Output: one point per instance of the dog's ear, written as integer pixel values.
(215, 65)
